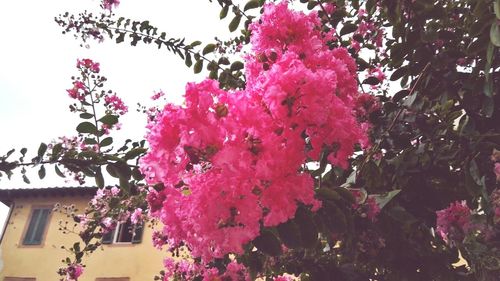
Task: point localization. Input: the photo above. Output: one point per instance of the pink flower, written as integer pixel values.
(454, 222)
(136, 216)
(88, 64)
(157, 95)
(110, 4)
(115, 103)
(243, 148)
(497, 171)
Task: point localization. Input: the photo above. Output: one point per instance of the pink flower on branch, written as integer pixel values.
(245, 149)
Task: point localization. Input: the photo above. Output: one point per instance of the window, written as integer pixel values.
(19, 279)
(125, 232)
(36, 228)
(113, 279)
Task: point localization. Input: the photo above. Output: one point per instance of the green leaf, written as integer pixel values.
(90, 141)
(58, 172)
(237, 65)
(495, 34)
(105, 142)
(268, 243)
(400, 95)
(134, 153)
(371, 80)
(308, 230)
(198, 66)
(23, 151)
(99, 179)
(195, 43)
(41, 172)
(223, 12)
(383, 199)
(290, 234)
(86, 115)
(109, 119)
(25, 179)
(86, 128)
(208, 48)
(235, 22)
(188, 60)
(252, 4)
(41, 150)
(120, 38)
(348, 28)
(400, 72)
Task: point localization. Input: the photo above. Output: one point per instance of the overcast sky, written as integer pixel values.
(37, 62)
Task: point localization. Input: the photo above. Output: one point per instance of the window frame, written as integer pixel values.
(115, 233)
(28, 222)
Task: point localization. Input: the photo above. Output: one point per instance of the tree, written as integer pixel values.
(320, 167)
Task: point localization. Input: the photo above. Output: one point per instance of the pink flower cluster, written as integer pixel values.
(231, 161)
(110, 4)
(78, 91)
(116, 104)
(454, 222)
(88, 64)
(72, 272)
(188, 271)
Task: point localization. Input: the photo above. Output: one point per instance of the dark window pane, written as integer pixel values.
(125, 232)
(138, 234)
(36, 227)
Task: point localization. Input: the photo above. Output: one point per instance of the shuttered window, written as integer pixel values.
(18, 279)
(36, 228)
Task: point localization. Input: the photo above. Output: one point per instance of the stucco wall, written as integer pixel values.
(138, 261)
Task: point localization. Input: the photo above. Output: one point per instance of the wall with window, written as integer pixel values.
(31, 247)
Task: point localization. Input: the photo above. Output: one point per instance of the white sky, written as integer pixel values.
(37, 61)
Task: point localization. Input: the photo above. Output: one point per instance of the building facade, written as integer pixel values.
(31, 241)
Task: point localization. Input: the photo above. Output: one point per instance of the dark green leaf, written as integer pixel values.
(134, 153)
(198, 66)
(252, 4)
(41, 172)
(400, 72)
(400, 95)
(23, 151)
(58, 171)
(348, 28)
(25, 179)
(237, 65)
(308, 230)
(267, 243)
(41, 150)
(235, 22)
(86, 115)
(223, 12)
(371, 80)
(99, 179)
(86, 128)
(290, 234)
(208, 48)
(109, 119)
(105, 142)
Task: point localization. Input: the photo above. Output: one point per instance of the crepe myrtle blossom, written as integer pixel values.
(244, 149)
(454, 222)
(110, 4)
(88, 64)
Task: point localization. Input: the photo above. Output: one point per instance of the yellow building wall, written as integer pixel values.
(139, 262)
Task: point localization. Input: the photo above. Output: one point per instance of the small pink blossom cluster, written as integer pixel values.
(71, 272)
(79, 91)
(495, 204)
(110, 4)
(88, 64)
(231, 161)
(115, 103)
(454, 223)
(157, 95)
(188, 271)
(100, 203)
